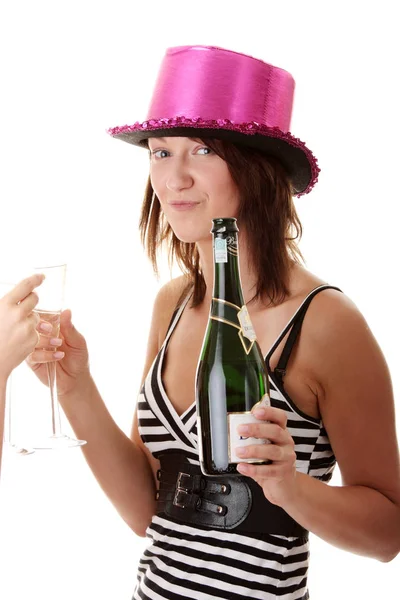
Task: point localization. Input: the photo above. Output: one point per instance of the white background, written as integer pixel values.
(70, 193)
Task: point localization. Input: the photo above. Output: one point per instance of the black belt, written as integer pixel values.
(233, 503)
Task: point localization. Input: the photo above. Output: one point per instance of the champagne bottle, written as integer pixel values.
(231, 374)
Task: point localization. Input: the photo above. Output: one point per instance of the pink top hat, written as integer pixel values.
(204, 91)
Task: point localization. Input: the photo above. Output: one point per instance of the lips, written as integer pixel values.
(183, 205)
(180, 202)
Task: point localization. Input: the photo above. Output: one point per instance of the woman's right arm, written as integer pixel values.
(119, 463)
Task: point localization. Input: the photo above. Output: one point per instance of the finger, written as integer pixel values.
(31, 323)
(48, 343)
(72, 337)
(272, 414)
(24, 288)
(271, 452)
(44, 356)
(66, 322)
(34, 319)
(43, 327)
(265, 401)
(66, 317)
(27, 305)
(266, 431)
(260, 472)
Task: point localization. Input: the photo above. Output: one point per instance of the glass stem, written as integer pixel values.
(55, 409)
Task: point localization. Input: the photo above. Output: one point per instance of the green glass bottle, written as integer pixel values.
(231, 375)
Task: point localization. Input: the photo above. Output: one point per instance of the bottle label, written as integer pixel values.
(220, 251)
(246, 324)
(237, 317)
(232, 245)
(238, 441)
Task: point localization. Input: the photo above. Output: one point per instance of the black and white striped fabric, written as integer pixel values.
(184, 562)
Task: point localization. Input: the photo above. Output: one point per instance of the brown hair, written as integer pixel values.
(266, 209)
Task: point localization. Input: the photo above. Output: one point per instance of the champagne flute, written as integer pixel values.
(51, 298)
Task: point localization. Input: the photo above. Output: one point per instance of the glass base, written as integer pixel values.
(58, 442)
(20, 450)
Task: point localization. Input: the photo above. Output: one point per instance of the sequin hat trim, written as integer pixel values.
(204, 91)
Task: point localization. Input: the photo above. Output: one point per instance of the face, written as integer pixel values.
(193, 185)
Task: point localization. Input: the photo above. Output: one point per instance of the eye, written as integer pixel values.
(204, 150)
(159, 153)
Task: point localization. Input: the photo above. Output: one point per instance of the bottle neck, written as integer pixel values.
(227, 285)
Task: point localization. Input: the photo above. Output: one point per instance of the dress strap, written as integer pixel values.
(176, 315)
(294, 325)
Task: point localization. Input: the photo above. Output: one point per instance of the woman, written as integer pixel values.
(219, 146)
(19, 333)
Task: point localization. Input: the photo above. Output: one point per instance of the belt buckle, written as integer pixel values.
(183, 482)
(182, 490)
(180, 497)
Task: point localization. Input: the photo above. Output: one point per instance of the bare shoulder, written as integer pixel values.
(333, 314)
(330, 310)
(166, 301)
(343, 350)
(335, 332)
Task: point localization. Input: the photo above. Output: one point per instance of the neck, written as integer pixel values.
(247, 275)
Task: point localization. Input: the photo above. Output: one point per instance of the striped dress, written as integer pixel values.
(185, 562)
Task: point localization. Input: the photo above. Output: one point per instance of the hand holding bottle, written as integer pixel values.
(72, 362)
(278, 479)
(18, 324)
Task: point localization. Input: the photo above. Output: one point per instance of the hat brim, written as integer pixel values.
(298, 161)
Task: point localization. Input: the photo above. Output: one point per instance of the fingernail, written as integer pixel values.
(259, 413)
(58, 354)
(243, 429)
(242, 468)
(55, 342)
(45, 327)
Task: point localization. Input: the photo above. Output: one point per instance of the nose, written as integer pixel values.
(179, 177)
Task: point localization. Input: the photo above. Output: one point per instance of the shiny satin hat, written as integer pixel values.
(205, 91)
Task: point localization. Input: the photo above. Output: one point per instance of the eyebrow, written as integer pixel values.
(164, 139)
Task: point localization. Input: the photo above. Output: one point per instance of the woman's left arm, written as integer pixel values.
(353, 387)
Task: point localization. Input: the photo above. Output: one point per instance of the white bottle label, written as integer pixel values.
(220, 250)
(246, 324)
(238, 441)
